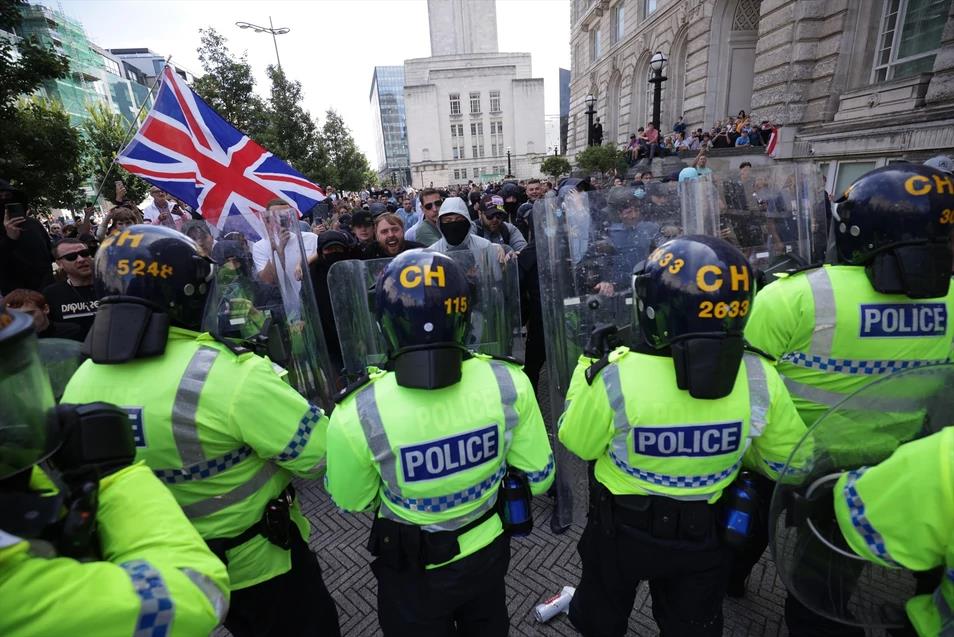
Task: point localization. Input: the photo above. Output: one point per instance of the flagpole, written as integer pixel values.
(130, 128)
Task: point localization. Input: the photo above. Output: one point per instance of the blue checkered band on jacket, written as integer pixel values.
(206, 468)
(775, 466)
(300, 439)
(847, 366)
(543, 474)
(449, 501)
(856, 510)
(685, 482)
(156, 610)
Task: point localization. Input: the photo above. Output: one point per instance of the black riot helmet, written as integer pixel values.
(693, 295)
(895, 221)
(423, 303)
(157, 265)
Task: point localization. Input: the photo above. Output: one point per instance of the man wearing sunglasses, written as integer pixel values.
(493, 225)
(426, 231)
(74, 300)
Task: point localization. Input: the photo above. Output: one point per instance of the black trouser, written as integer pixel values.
(686, 580)
(294, 603)
(466, 597)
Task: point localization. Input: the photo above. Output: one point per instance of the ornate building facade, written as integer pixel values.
(854, 83)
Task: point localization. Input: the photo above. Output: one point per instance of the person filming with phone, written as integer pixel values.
(25, 260)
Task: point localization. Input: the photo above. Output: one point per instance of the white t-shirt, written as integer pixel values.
(261, 251)
(150, 214)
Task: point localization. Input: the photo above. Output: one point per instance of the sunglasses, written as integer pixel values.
(433, 204)
(72, 256)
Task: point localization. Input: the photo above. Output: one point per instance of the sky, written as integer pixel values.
(333, 45)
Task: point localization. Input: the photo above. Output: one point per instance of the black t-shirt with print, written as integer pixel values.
(76, 305)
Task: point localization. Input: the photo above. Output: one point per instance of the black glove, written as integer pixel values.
(97, 441)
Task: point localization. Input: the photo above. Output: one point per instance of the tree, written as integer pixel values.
(23, 71)
(228, 85)
(555, 166)
(105, 131)
(44, 154)
(290, 132)
(347, 168)
(602, 159)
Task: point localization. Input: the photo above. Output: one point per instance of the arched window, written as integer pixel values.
(641, 94)
(677, 79)
(611, 127)
(733, 36)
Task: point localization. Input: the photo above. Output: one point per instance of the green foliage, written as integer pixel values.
(105, 131)
(228, 85)
(24, 71)
(347, 167)
(44, 154)
(555, 166)
(290, 132)
(602, 159)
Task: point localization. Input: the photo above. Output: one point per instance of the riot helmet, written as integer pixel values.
(26, 400)
(423, 303)
(159, 266)
(895, 221)
(693, 295)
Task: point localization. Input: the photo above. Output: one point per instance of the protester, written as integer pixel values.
(162, 211)
(74, 300)
(33, 303)
(24, 249)
(389, 238)
(426, 230)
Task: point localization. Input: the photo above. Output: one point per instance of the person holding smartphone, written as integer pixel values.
(25, 260)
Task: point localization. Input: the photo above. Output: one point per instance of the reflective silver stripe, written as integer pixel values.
(184, 428)
(376, 436)
(871, 404)
(508, 400)
(220, 603)
(216, 503)
(825, 314)
(156, 609)
(614, 393)
(759, 399)
(8, 540)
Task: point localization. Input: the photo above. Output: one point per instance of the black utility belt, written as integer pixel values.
(663, 518)
(275, 525)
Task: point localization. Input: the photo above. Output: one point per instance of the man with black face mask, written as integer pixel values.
(453, 220)
(333, 246)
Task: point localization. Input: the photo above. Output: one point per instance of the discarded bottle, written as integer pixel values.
(559, 603)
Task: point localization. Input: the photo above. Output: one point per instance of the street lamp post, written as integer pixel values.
(590, 112)
(269, 29)
(656, 64)
(509, 171)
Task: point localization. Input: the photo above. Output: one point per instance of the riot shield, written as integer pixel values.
(587, 249)
(495, 314)
(262, 299)
(60, 357)
(811, 555)
(777, 215)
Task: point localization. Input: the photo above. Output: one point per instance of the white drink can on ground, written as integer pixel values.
(557, 604)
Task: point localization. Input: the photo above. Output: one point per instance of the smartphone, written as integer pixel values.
(14, 210)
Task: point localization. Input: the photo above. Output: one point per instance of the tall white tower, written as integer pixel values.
(461, 27)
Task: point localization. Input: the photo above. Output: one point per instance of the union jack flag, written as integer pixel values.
(188, 150)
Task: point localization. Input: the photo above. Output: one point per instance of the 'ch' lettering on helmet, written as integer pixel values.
(413, 275)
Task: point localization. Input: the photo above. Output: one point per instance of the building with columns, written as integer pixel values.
(854, 83)
(468, 104)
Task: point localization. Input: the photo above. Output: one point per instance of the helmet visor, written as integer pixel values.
(26, 400)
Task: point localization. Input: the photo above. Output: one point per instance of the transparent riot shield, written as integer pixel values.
(775, 214)
(60, 357)
(495, 314)
(262, 298)
(811, 555)
(587, 248)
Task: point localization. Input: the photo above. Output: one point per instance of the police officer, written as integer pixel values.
(427, 443)
(215, 423)
(670, 424)
(155, 576)
(884, 522)
(886, 305)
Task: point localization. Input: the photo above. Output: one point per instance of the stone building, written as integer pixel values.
(855, 84)
(468, 105)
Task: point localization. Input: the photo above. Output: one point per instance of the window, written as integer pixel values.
(476, 173)
(649, 6)
(456, 173)
(618, 22)
(496, 138)
(476, 129)
(457, 130)
(458, 150)
(455, 103)
(494, 101)
(475, 102)
(909, 37)
(595, 50)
